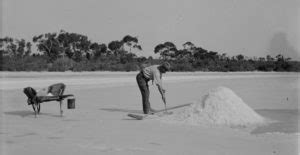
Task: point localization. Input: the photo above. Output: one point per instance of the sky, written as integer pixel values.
(248, 27)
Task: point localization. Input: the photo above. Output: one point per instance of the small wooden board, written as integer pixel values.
(141, 117)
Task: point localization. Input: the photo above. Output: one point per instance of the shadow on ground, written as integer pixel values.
(26, 113)
(122, 110)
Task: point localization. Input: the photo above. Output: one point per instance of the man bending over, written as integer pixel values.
(153, 73)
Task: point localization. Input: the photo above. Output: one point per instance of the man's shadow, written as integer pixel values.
(122, 110)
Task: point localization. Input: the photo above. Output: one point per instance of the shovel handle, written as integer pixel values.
(165, 106)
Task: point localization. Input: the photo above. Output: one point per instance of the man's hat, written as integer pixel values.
(166, 65)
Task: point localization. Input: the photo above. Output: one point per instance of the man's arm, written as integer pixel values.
(158, 81)
(162, 92)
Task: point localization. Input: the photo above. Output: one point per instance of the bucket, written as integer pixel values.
(71, 103)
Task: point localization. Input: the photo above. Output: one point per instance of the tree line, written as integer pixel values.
(64, 51)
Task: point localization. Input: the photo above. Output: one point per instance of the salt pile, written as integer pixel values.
(219, 106)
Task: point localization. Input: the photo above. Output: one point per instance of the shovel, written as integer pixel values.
(166, 112)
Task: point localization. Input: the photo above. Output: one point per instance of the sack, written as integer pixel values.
(57, 89)
(29, 92)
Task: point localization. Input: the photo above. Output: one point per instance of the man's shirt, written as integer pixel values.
(153, 74)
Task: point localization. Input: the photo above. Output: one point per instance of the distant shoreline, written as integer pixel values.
(86, 73)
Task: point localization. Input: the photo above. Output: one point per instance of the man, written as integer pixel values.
(153, 73)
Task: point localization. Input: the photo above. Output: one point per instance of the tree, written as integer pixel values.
(127, 58)
(131, 42)
(28, 48)
(139, 47)
(8, 47)
(212, 55)
(183, 54)
(54, 45)
(77, 45)
(159, 48)
(240, 57)
(115, 47)
(223, 56)
(15, 48)
(269, 58)
(189, 46)
(200, 53)
(262, 59)
(14, 53)
(48, 44)
(279, 57)
(21, 48)
(166, 50)
(98, 49)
